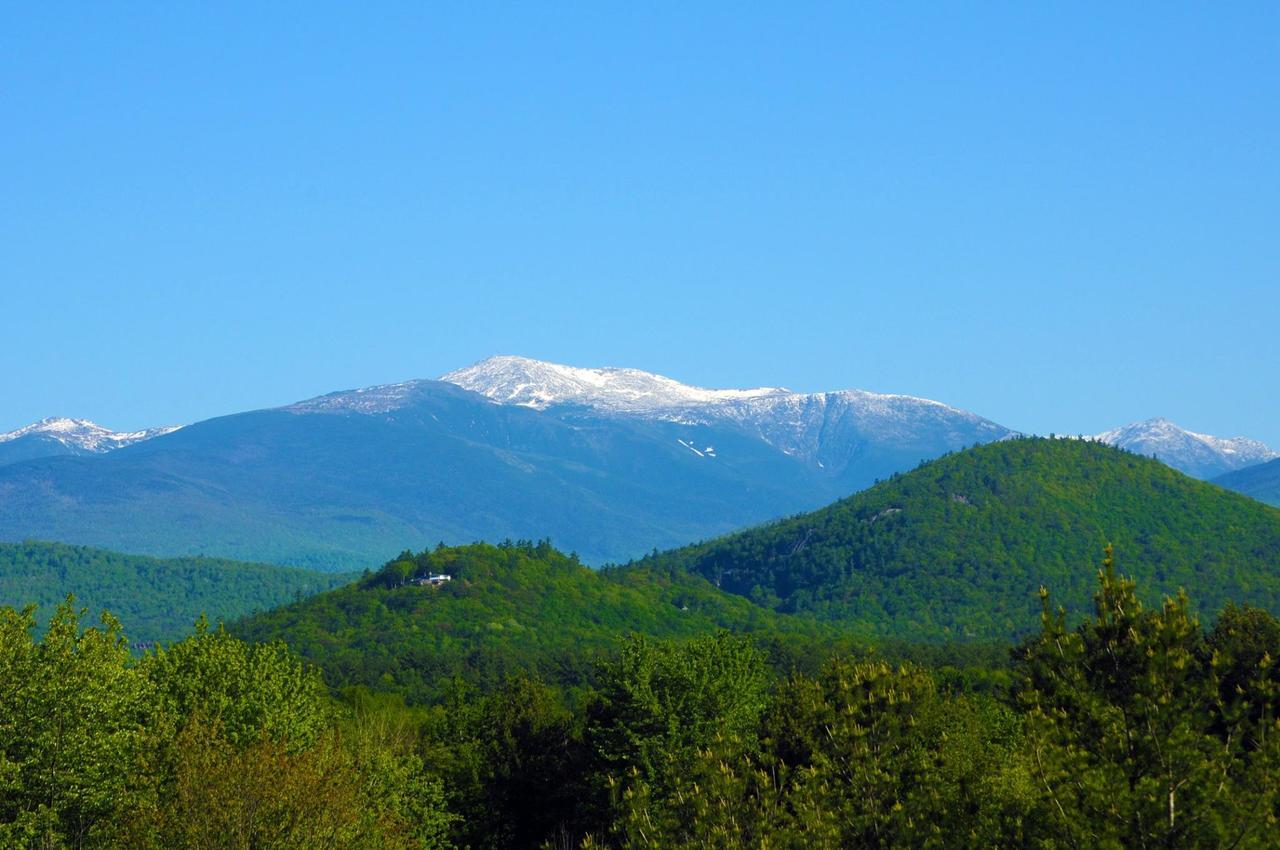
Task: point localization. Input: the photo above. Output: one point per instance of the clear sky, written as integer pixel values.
(1062, 219)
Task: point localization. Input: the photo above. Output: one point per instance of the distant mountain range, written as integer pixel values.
(609, 462)
(798, 424)
(515, 448)
(848, 434)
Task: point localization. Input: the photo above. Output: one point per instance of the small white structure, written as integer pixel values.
(434, 580)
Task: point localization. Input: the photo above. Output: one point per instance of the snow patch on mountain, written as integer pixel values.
(85, 435)
(369, 400)
(537, 384)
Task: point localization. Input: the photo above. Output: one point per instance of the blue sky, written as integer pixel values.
(1063, 219)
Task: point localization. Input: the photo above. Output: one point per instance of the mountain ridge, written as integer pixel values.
(793, 422)
(1261, 482)
(342, 480)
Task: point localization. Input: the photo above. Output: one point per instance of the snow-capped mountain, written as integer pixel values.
(1199, 455)
(60, 436)
(828, 429)
(85, 435)
(607, 462)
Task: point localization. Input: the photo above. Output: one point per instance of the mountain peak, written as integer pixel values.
(1199, 455)
(508, 379)
(83, 434)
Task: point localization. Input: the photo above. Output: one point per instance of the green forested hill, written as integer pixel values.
(509, 608)
(155, 598)
(960, 546)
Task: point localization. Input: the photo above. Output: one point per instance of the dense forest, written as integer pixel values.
(955, 548)
(1135, 728)
(156, 599)
(519, 607)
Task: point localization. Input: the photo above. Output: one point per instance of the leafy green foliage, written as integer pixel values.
(863, 755)
(70, 719)
(156, 599)
(1135, 729)
(1134, 738)
(247, 693)
(212, 744)
(958, 547)
(660, 703)
(514, 761)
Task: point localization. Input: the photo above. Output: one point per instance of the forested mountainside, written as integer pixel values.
(156, 599)
(959, 547)
(514, 608)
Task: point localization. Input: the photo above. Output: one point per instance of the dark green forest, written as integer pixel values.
(955, 548)
(157, 599)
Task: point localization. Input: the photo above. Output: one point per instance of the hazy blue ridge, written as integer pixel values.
(1262, 481)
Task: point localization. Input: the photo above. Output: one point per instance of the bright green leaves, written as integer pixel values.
(247, 691)
(71, 721)
(661, 702)
(1142, 734)
(863, 755)
(210, 744)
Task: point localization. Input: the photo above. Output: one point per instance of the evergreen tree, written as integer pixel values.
(1134, 742)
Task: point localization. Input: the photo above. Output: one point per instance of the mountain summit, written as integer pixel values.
(538, 384)
(63, 436)
(828, 430)
(1198, 455)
